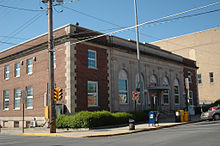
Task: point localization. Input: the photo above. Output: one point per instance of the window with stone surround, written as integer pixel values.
(92, 93)
(176, 92)
(166, 98)
(123, 87)
(92, 62)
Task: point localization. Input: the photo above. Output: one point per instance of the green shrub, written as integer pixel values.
(121, 117)
(86, 119)
(62, 121)
(141, 116)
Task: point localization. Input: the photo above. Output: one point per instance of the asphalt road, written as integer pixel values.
(198, 134)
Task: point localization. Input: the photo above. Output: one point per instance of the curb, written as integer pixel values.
(48, 134)
(144, 129)
(111, 134)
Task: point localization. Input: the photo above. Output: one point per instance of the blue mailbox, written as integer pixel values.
(152, 117)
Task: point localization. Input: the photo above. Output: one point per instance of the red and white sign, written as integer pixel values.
(135, 95)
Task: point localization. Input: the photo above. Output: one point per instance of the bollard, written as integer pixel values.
(131, 124)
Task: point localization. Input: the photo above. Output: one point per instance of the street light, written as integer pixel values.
(138, 55)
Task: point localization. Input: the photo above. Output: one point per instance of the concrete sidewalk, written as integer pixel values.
(79, 133)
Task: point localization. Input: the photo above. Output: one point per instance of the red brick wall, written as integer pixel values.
(85, 74)
(38, 80)
(39, 40)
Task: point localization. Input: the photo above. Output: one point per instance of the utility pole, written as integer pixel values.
(51, 67)
(138, 56)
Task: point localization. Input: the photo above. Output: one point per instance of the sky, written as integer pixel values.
(22, 20)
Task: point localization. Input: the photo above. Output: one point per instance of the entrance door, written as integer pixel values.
(154, 101)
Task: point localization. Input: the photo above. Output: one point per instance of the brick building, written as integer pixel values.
(99, 74)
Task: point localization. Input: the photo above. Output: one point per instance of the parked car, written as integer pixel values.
(212, 114)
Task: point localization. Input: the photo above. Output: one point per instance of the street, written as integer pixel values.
(197, 134)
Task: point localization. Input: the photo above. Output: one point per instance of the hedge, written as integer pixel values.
(86, 119)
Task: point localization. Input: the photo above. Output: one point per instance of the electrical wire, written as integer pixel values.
(19, 38)
(82, 13)
(147, 22)
(23, 26)
(22, 9)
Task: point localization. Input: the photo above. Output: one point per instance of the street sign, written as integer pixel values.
(135, 95)
(24, 96)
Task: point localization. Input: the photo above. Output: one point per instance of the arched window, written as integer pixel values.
(153, 81)
(176, 92)
(166, 91)
(123, 87)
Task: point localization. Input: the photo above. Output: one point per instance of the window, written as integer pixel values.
(166, 91)
(190, 97)
(190, 77)
(92, 93)
(211, 77)
(17, 98)
(6, 72)
(199, 78)
(6, 100)
(123, 87)
(29, 103)
(91, 59)
(153, 81)
(29, 66)
(17, 69)
(16, 124)
(176, 92)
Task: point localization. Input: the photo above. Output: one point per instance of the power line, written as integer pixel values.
(82, 13)
(23, 26)
(22, 9)
(2, 42)
(160, 21)
(131, 27)
(148, 22)
(19, 38)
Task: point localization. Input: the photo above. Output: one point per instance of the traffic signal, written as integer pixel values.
(58, 94)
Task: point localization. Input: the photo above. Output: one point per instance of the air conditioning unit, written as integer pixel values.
(33, 124)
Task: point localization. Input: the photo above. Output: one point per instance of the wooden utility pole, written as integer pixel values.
(51, 67)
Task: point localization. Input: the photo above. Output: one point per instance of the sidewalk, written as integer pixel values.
(79, 133)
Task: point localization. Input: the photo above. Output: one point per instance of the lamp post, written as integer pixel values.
(138, 56)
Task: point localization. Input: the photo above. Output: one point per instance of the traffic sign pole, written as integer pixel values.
(24, 96)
